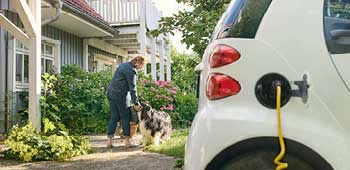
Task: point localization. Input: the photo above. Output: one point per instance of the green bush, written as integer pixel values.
(183, 74)
(185, 109)
(163, 95)
(160, 94)
(80, 99)
(27, 145)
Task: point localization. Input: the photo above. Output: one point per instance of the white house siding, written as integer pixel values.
(71, 45)
(71, 52)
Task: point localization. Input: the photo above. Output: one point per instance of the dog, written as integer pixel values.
(155, 126)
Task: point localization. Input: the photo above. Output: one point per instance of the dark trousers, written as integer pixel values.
(118, 106)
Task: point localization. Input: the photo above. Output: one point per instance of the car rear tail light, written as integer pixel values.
(223, 55)
(220, 86)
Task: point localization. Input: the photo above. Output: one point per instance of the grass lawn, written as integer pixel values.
(174, 147)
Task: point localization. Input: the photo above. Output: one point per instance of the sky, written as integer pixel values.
(169, 7)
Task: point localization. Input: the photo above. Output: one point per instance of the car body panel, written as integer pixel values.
(293, 47)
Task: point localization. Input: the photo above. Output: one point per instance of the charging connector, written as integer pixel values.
(265, 90)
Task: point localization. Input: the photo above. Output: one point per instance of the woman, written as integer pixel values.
(123, 81)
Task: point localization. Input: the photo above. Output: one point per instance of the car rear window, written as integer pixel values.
(242, 19)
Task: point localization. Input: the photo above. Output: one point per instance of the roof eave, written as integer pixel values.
(99, 23)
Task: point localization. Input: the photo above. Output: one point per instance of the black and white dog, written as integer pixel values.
(155, 126)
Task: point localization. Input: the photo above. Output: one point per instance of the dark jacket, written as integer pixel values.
(124, 81)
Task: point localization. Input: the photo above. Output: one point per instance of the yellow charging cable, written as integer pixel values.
(279, 157)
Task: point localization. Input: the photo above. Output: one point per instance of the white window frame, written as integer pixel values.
(20, 86)
(104, 60)
(57, 51)
(22, 51)
(45, 57)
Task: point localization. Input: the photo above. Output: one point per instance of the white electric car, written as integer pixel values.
(303, 44)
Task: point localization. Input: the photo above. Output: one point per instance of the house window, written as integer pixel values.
(22, 62)
(47, 57)
(104, 62)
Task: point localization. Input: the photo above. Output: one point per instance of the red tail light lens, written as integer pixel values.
(220, 86)
(223, 55)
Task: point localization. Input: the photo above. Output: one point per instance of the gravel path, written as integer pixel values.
(117, 158)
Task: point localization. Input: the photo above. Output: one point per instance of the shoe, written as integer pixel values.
(109, 143)
(128, 144)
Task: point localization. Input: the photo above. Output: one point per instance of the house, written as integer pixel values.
(91, 34)
(134, 19)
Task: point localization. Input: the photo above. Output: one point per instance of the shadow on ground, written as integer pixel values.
(117, 158)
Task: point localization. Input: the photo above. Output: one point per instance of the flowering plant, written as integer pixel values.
(160, 94)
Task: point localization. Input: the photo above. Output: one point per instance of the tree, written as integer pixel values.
(186, 78)
(196, 25)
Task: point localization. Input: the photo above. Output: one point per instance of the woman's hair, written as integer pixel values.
(138, 59)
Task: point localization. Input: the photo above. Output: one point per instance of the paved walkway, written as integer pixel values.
(117, 158)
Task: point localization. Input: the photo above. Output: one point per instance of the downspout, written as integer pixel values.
(58, 4)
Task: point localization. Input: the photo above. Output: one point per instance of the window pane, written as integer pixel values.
(48, 65)
(242, 19)
(42, 48)
(19, 45)
(26, 69)
(48, 50)
(120, 60)
(42, 65)
(19, 61)
(337, 26)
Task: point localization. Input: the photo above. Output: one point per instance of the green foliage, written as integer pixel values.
(185, 109)
(196, 25)
(176, 97)
(185, 104)
(182, 69)
(27, 145)
(49, 110)
(80, 100)
(175, 146)
(159, 94)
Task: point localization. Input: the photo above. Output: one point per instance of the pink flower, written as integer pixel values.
(165, 83)
(162, 108)
(144, 82)
(157, 96)
(152, 89)
(157, 83)
(171, 107)
(173, 91)
(161, 85)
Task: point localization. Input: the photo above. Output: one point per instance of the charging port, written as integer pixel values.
(265, 90)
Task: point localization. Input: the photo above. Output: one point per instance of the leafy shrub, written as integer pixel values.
(163, 95)
(185, 109)
(80, 100)
(27, 145)
(183, 74)
(160, 94)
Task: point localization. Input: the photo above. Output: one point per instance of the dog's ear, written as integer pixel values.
(145, 106)
(149, 114)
